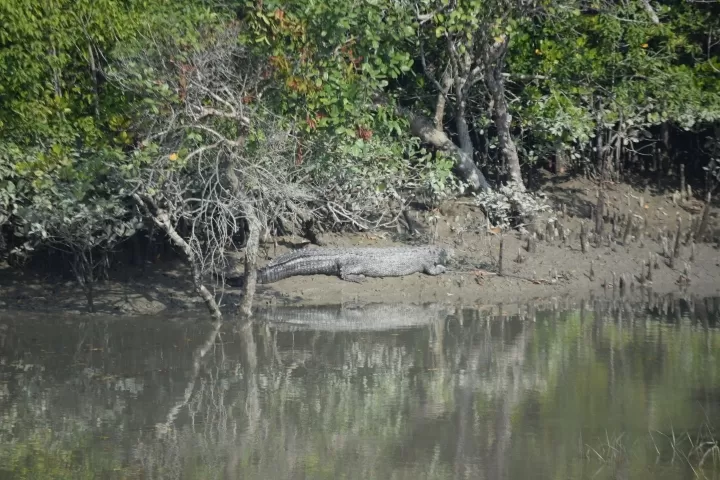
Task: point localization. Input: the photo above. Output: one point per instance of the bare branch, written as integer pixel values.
(429, 75)
(651, 12)
(447, 82)
(208, 112)
(426, 17)
(219, 136)
(162, 220)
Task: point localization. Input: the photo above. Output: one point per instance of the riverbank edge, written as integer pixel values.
(554, 267)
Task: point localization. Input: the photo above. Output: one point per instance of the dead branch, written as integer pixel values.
(162, 220)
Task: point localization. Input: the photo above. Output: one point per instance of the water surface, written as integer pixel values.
(604, 389)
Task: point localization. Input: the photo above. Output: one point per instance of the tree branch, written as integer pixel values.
(442, 98)
(424, 129)
(651, 12)
(212, 112)
(427, 71)
(162, 220)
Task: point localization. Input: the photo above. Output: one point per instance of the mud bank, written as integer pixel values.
(555, 266)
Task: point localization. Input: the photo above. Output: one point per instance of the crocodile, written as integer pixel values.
(355, 263)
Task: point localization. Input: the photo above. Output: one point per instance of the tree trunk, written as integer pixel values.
(251, 249)
(253, 241)
(618, 153)
(441, 100)
(560, 158)
(665, 150)
(82, 268)
(56, 74)
(600, 211)
(3, 244)
(162, 220)
(93, 75)
(496, 85)
(600, 162)
(463, 130)
(599, 154)
(424, 129)
(704, 219)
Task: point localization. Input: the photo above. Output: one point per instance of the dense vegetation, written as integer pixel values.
(217, 123)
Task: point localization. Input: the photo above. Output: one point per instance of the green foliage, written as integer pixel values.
(331, 57)
(369, 172)
(329, 60)
(53, 106)
(66, 130)
(611, 66)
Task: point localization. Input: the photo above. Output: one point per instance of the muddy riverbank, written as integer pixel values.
(554, 266)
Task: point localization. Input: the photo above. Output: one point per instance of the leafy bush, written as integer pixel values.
(371, 177)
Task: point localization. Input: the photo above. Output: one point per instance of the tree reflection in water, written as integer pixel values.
(432, 391)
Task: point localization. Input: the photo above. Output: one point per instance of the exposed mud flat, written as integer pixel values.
(556, 266)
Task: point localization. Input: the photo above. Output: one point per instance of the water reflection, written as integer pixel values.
(605, 388)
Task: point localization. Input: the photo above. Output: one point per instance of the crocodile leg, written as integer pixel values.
(435, 269)
(353, 278)
(351, 271)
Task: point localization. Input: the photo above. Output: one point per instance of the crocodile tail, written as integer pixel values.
(299, 266)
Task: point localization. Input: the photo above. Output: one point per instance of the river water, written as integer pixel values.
(597, 389)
